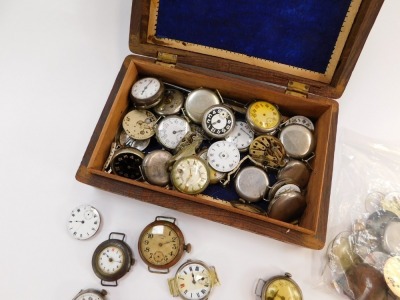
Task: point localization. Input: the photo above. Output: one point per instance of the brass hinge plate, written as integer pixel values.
(166, 59)
(297, 89)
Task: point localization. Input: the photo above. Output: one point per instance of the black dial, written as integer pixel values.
(218, 121)
(127, 162)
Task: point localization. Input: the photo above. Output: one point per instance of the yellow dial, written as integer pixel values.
(281, 289)
(190, 175)
(263, 117)
(161, 244)
(391, 271)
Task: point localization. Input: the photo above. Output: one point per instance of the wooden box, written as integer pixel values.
(297, 91)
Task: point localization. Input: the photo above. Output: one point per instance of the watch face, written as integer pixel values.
(301, 120)
(171, 130)
(193, 281)
(90, 296)
(241, 135)
(190, 175)
(218, 121)
(161, 244)
(215, 176)
(223, 156)
(127, 162)
(391, 272)
(84, 222)
(139, 124)
(263, 117)
(112, 259)
(147, 92)
(282, 288)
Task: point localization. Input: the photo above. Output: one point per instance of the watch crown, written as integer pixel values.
(187, 248)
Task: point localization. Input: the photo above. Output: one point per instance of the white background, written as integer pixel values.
(58, 62)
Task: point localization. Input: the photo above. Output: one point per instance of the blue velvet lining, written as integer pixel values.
(299, 33)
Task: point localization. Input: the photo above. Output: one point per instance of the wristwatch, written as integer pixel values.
(193, 280)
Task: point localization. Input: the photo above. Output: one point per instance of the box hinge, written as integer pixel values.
(166, 59)
(297, 89)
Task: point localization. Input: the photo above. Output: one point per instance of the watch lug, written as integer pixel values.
(173, 289)
(214, 276)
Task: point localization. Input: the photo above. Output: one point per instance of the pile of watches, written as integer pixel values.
(203, 139)
(365, 261)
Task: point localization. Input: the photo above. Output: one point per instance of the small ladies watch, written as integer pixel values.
(278, 287)
(171, 130)
(218, 121)
(147, 92)
(193, 280)
(263, 117)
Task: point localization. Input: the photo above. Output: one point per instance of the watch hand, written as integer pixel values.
(246, 133)
(218, 121)
(145, 88)
(193, 280)
(80, 221)
(176, 131)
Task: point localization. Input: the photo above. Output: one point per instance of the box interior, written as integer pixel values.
(318, 109)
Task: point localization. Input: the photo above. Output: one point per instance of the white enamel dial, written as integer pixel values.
(147, 92)
(171, 130)
(193, 281)
(89, 296)
(190, 175)
(83, 222)
(110, 260)
(241, 135)
(223, 156)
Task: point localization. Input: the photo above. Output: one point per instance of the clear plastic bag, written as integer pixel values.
(364, 223)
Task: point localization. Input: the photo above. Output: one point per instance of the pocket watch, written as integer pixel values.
(295, 170)
(170, 104)
(126, 141)
(278, 288)
(84, 222)
(218, 121)
(241, 136)
(251, 184)
(198, 101)
(126, 162)
(215, 176)
(190, 175)
(112, 259)
(287, 207)
(139, 124)
(391, 272)
(171, 130)
(223, 156)
(147, 92)
(263, 117)
(161, 245)
(91, 294)
(154, 167)
(268, 150)
(193, 280)
(298, 140)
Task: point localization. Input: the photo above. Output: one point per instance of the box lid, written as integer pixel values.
(314, 42)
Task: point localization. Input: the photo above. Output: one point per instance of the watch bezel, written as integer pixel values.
(271, 280)
(150, 101)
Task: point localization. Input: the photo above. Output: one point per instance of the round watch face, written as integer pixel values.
(139, 124)
(147, 92)
(161, 244)
(84, 222)
(218, 121)
(112, 259)
(301, 120)
(170, 104)
(91, 294)
(171, 130)
(215, 176)
(193, 281)
(281, 287)
(198, 101)
(242, 135)
(127, 162)
(190, 175)
(223, 156)
(263, 117)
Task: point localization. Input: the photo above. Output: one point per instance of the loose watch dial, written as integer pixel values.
(218, 121)
(223, 156)
(127, 162)
(242, 135)
(84, 222)
(139, 124)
